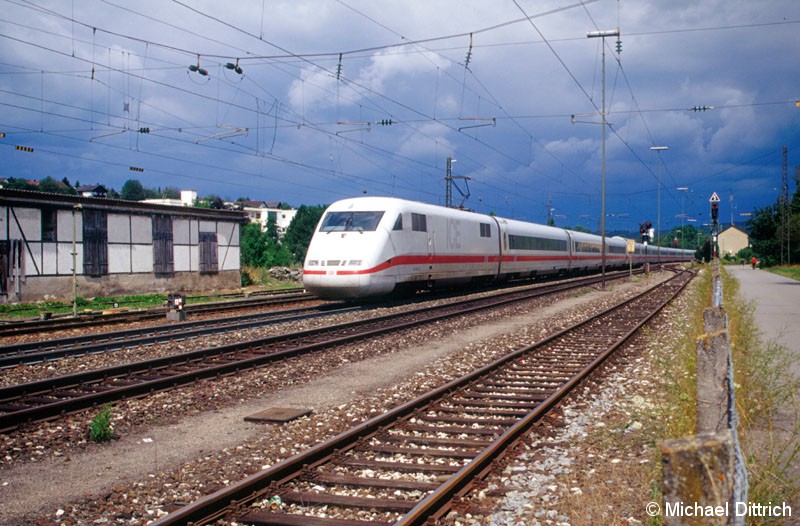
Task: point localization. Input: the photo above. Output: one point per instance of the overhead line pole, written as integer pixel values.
(603, 35)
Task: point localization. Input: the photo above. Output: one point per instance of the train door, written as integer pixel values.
(501, 240)
(570, 246)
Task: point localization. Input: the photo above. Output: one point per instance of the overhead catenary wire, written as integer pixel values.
(421, 118)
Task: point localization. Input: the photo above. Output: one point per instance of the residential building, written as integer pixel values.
(732, 240)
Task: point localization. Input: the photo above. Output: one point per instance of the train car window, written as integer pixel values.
(536, 243)
(351, 222)
(585, 246)
(613, 249)
(398, 225)
(486, 230)
(419, 222)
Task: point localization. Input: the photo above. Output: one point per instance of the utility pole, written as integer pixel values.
(603, 35)
(783, 206)
(658, 150)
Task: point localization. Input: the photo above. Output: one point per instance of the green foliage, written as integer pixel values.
(792, 272)
(99, 303)
(765, 232)
(272, 228)
(132, 190)
(744, 254)
(212, 201)
(100, 429)
(298, 235)
(261, 250)
(704, 252)
(48, 184)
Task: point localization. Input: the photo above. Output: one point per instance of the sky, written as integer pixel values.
(312, 101)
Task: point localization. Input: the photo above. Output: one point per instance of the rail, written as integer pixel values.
(498, 401)
(47, 399)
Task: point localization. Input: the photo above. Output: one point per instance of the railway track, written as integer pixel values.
(33, 352)
(45, 350)
(408, 466)
(94, 319)
(50, 398)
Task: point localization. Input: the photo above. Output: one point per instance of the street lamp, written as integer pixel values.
(603, 35)
(659, 149)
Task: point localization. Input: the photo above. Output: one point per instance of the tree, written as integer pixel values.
(17, 183)
(212, 201)
(48, 184)
(703, 253)
(132, 190)
(253, 245)
(272, 227)
(300, 230)
(764, 228)
(171, 192)
(259, 250)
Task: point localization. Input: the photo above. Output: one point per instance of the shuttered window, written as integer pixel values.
(163, 255)
(95, 243)
(208, 253)
(49, 224)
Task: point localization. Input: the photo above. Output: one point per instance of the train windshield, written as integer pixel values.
(351, 222)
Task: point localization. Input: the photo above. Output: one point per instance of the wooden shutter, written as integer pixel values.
(163, 254)
(95, 243)
(208, 253)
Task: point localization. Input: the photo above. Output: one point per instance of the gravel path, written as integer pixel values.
(189, 451)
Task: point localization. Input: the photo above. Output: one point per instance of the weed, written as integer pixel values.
(769, 428)
(100, 429)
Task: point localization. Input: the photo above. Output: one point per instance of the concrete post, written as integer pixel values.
(713, 355)
(698, 480)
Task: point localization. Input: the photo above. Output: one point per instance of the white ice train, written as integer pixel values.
(374, 246)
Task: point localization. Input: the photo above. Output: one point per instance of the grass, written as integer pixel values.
(792, 271)
(621, 490)
(260, 279)
(767, 403)
(22, 310)
(763, 390)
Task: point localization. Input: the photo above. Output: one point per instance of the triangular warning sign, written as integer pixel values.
(714, 198)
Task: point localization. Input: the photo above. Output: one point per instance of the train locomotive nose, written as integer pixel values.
(343, 282)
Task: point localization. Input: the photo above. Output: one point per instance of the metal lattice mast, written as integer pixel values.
(448, 192)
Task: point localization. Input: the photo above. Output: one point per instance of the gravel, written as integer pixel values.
(175, 447)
